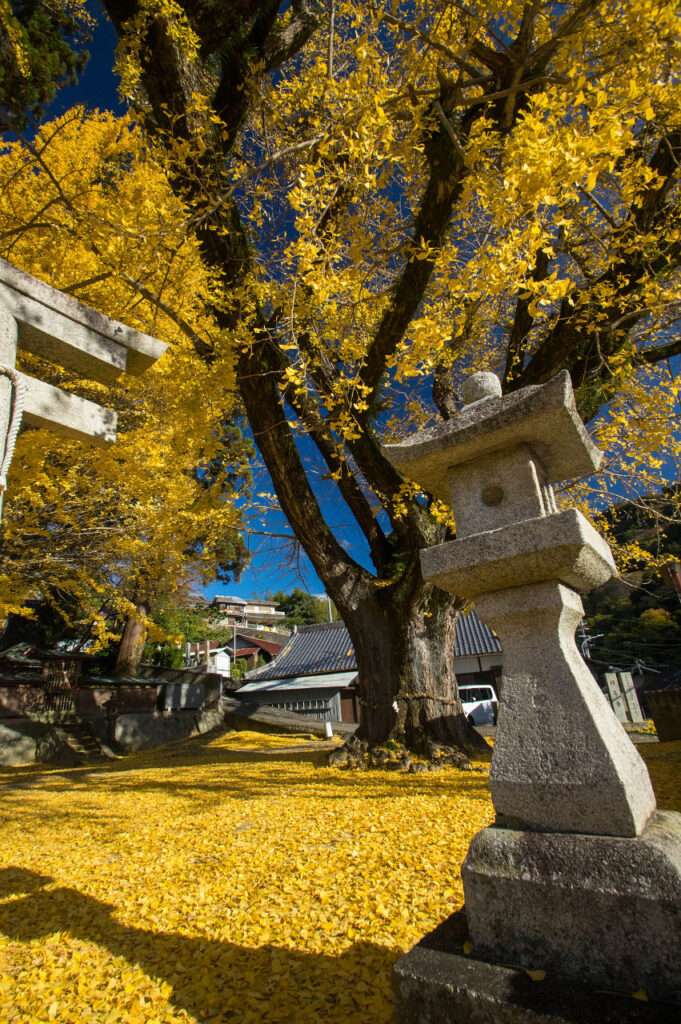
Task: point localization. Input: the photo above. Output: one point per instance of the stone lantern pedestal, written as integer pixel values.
(579, 877)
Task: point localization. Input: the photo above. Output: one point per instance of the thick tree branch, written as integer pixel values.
(658, 355)
(443, 395)
(666, 162)
(522, 323)
(447, 171)
(517, 70)
(344, 578)
(282, 43)
(310, 416)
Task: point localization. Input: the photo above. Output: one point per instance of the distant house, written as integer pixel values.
(315, 673)
(213, 656)
(236, 610)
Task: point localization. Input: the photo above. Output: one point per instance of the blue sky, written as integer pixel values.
(97, 86)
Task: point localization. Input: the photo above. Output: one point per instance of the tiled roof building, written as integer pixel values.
(321, 648)
(473, 637)
(315, 671)
(327, 647)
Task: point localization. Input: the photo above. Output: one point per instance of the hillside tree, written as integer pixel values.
(42, 49)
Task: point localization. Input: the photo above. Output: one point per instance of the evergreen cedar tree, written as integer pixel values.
(301, 608)
(41, 50)
(386, 196)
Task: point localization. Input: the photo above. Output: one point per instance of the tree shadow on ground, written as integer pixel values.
(194, 750)
(140, 772)
(212, 980)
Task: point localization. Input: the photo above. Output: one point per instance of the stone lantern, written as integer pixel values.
(559, 878)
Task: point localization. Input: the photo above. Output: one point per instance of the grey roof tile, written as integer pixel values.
(320, 648)
(474, 637)
(327, 647)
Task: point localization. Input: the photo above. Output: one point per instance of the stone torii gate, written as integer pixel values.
(40, 319)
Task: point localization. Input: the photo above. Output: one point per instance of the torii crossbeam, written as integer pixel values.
(39, 318)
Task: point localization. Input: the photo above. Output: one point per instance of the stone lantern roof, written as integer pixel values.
(544, 417)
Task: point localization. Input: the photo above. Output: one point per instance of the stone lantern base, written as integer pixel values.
(438, 986)
(599, 910)
(600, 915)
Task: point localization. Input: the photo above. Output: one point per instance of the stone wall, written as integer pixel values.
(141, 731)
(90, 701)
(19, 736)
(20, 699)
(211, 680)
(18, 740)
(665, 711)
(176, 675)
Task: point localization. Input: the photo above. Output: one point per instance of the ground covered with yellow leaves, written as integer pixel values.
(229, 879)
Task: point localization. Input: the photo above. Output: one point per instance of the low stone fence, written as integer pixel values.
(178, 675)
(665, 711)
(90, 697)
(28, 698)
(92, 700)
(211, 680)
(20, 736)
(142, 731)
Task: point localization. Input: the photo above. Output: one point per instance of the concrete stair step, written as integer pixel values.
(81, 740)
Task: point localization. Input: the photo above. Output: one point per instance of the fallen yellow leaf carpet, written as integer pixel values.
(228, 879)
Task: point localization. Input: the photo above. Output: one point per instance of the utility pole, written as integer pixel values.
(584, 638)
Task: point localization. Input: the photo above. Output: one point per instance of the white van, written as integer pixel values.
(480, 704)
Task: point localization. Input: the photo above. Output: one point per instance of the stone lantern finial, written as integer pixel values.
(480, 385)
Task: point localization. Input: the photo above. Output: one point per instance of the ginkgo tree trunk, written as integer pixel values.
(132, 639)
(390, 198)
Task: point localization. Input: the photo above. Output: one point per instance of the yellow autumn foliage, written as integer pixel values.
(208, 883)
(334, 173)
(88, 210)
(334, 149)
(563, 183)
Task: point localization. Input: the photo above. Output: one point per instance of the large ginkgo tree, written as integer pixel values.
(388, 195)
